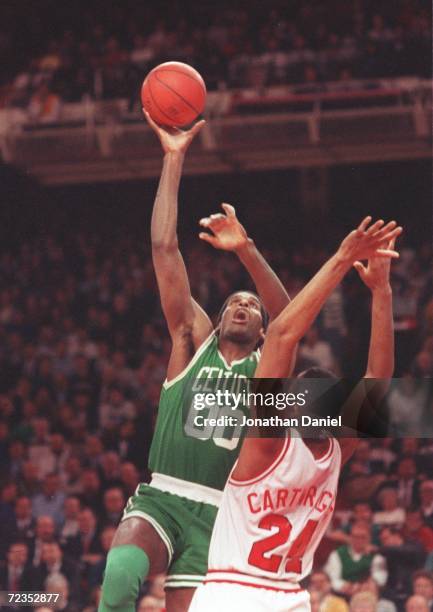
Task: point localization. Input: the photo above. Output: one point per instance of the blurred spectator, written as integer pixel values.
(24, 521)
(402, 558)
(129, 477)
(382, 605)
(44, 533)
(28, 482)
(86, 544)
(354, 562)
(93, 450)
(44, 105)
(39, 451)
(50, 501)
(416, 603)
(110, 469)
(415, 529)
(53, 562)
(363, 601)
(58, 583)
(96, 572)
(72, 476)
(426, 499)
(114, 503)
(116, 410)
(407, 400)
(407, 482)
(17, 574)
(422, 584)
(91, 489)
(389, 513)
(320, 584)
(71, 513)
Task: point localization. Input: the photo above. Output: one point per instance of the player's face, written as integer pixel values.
(242, 318)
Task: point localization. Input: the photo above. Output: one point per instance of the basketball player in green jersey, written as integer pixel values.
(167, 524)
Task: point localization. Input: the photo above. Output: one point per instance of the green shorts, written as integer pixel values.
(185, 526)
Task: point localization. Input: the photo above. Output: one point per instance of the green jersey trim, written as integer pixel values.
(169, 383)
(183, 488)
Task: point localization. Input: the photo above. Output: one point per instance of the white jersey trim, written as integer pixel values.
(183, 488)
(254, 354)
(266, 472)
(168, 383)
(191, 584)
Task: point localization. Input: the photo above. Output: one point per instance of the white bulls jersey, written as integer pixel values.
(268, 528)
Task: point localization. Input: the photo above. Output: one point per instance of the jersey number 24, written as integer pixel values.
(272, 563)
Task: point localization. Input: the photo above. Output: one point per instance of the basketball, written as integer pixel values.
(174, 94)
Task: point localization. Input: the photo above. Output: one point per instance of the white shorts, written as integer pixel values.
(217, 597)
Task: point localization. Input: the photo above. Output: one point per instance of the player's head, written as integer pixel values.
(242, 318)
(325, 398)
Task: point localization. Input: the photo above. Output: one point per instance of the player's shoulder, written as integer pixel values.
(347, 447)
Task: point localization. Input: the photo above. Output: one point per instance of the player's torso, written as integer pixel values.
(185, 448)
(269, 527)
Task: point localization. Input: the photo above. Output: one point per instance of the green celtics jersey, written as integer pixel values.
(188, 448)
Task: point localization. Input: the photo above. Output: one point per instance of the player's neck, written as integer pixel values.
(233, 351)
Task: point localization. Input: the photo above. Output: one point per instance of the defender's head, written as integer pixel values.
(242, 318)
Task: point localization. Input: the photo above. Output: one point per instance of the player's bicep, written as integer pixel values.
(278, 356)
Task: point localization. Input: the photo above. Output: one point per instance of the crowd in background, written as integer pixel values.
(83, 353)
(104, 51)
(83, 344)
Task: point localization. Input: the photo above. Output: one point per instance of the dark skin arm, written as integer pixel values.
(286, 331)
(381, 350)
(188, 324)
(228, 234)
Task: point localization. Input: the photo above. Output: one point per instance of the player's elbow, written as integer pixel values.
(281, 334)
(163, 246)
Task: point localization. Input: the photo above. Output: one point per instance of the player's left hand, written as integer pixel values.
(376, 274)
(228, 233)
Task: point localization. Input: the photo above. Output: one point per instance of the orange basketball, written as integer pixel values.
(173, 94)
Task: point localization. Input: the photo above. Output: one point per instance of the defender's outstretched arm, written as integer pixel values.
(381, 351)
(292, 324)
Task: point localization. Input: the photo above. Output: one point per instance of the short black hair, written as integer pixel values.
(263, 312)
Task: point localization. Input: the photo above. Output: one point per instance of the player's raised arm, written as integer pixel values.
(292, 324)
(228, 234)
(187, 322)
(381, 352)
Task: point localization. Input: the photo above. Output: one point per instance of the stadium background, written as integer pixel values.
(83, 343)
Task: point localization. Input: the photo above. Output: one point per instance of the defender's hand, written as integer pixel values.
(228, 233)
(174, 140)
(376, 274)
(366, 242)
